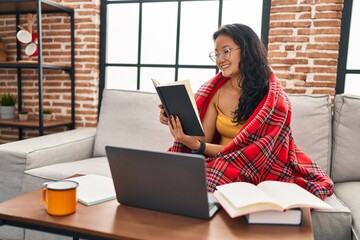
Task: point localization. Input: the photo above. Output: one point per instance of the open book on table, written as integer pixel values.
(178, 99)
(242, 198)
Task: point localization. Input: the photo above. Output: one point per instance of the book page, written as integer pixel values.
(291, 195)
(155, 82)
(243, 194)
(192, 99)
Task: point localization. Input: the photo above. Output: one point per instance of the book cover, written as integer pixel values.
(241, 198)
(94, 189)
(178, 99)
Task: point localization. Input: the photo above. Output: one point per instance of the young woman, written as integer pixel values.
(246, 118)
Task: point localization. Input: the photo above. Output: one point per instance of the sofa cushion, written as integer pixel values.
(311, 125)
(16, 157)
(351, 197)
(130, 119)
(346, 139)
(99, 165)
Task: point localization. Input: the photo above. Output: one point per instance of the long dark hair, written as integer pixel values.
(253, 66)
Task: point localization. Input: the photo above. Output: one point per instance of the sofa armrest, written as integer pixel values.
(334, 224)
(16, 157)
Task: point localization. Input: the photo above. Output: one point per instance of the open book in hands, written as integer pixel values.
(242, 198)
(177, 99)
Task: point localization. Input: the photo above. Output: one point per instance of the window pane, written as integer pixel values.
(352, 84)
(353, 60)
(245, 12)
(163, 75)
(158, 44)
(196, 76)
(122, 33)
(121, 78)
(198, 22)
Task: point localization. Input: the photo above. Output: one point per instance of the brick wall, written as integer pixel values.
(303, 51)
(56, 83)
(304, 44)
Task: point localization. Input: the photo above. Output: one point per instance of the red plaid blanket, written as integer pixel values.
(264, 149)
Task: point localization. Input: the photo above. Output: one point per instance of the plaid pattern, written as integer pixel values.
(264, 149)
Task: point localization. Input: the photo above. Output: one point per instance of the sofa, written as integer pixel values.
(328, 133)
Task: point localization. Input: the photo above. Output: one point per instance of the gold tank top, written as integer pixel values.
(225, 125)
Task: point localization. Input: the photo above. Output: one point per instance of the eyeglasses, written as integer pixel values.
(225, 54)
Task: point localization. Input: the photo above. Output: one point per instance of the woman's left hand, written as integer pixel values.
(179, 135)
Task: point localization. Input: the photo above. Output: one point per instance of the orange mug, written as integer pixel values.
(60, 197)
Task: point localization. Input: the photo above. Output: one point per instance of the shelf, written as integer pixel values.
(33, 65)
(38, 7)
(30, 6)
(33, 123)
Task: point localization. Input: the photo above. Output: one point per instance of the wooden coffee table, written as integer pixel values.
(110, 220)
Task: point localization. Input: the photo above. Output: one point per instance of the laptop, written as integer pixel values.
(162, 181)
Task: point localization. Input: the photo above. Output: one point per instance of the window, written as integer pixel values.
(168, 40)
(348, 75)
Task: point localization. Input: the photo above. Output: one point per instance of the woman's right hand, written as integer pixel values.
(163, 119)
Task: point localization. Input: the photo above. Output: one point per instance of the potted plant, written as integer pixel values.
(23, 116)
(8, 102)
(47, 114)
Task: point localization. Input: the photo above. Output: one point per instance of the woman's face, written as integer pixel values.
(228, 59)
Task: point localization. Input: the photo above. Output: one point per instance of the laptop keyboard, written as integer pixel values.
(212, 205)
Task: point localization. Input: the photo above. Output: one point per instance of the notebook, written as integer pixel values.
(162, 181)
